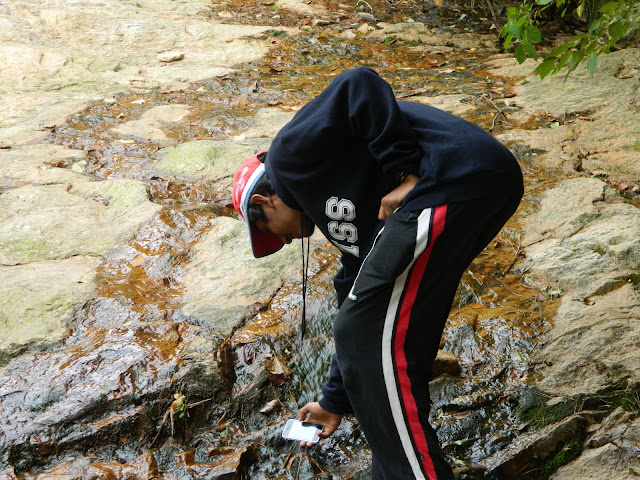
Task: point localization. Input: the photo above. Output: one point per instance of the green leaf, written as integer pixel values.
(531, 51)
(594, 25)
(543, 2)
(563, 59)
(616, 30)
(514, 30)
(545, 68)
(580, 10)
(591, 47)
(592, 62)
(533, 34)
(575, 60)
(580, 36)
(609, 8)
(507, 42)
(559, 49)
(520, 54)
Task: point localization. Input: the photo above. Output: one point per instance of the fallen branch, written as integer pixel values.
(366, 3)
(500, 112)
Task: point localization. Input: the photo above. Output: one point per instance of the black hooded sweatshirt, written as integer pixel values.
(350, 146)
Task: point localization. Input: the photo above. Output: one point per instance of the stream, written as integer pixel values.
(105, 403)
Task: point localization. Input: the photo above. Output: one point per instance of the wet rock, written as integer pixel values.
(302, 7)
(45, 78)
(36, 300)
(445, 363)
(60, 221)
(143, 467)
(211, 160)
(535, 446)
(607, 461)
(462, 342)
(149, 125)
(456, 104)
(224, 463)
(39, 165)
(428, 37)
(225, 284)
(111, 384)
(51, 240)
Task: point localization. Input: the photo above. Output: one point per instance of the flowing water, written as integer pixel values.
(497, 322)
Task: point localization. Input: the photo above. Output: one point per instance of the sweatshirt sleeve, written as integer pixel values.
(334, 396)
(358, 105)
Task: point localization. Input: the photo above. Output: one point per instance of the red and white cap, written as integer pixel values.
(244, 181)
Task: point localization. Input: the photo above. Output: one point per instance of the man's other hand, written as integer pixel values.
(392, 200)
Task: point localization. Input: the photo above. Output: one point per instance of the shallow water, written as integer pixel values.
(496, 325)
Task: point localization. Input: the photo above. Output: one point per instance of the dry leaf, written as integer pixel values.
(503, 246)
(277, 371)
(622, 186)
(270, 407)
(587, 301)
(138, 260)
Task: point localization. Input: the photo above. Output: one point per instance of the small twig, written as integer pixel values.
(521, 296)
(292, 397)
(500, 112)
(413, 93)
(366, 3)
(515, 258)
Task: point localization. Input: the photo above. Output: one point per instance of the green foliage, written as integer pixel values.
(569, 452)
(603, 32)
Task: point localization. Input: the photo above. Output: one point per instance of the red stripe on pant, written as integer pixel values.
(408, 400)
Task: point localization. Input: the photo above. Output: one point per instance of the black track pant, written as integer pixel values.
(388, 330)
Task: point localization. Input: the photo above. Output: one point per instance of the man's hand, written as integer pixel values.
(313, 412)
(391, 201)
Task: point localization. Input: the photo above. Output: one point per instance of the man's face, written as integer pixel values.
(283, 221)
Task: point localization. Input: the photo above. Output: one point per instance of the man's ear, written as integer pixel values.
(262, 200)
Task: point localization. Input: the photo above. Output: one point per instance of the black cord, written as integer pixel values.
(305, 276)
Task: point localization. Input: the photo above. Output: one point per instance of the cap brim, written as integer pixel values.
(263, 244)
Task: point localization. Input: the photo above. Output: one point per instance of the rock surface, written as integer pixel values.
(584, 242)
(111, 373)
(45, 76)
(584, 140)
